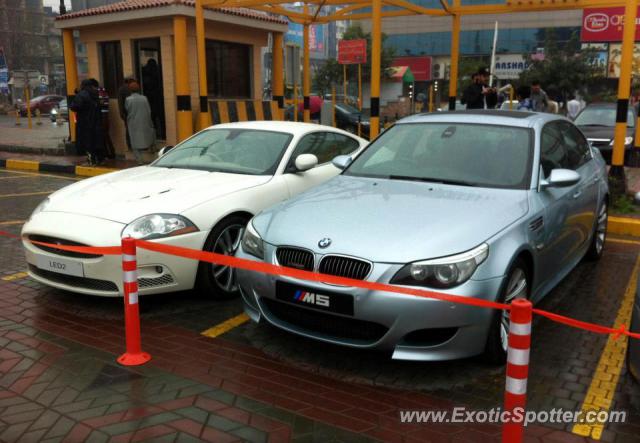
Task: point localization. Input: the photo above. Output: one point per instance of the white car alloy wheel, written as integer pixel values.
(227, 243)
(216, 280)
(599, 233)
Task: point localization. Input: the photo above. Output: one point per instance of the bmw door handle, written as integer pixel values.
(576, 194)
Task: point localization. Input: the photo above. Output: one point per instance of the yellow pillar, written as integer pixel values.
(71, 73)
(455, 58)
(183, 94)
(376, 49)
(306, 73)
(277, 72)
(624, 89)
(204, 119)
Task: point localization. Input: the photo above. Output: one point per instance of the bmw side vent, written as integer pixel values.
(536, 224)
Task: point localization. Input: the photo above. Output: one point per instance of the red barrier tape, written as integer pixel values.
(268, 268)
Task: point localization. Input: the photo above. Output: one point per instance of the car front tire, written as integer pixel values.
(517, 285)
(218, 281)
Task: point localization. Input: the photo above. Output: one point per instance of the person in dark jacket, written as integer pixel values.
(123, 93)
(478, 94)
(89, 133)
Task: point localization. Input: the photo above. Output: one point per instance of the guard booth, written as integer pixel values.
(155, 41)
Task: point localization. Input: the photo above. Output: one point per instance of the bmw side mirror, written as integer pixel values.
(560, 178)
(164, 150)
(304, 162)
(341, 162)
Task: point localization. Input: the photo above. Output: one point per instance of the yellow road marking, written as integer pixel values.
(12, 222)
(26, 194)
(39, 174)
(18, 176)
(226, 326)
(624, 226)
(600, 395)
(13, 277)
(28, 165)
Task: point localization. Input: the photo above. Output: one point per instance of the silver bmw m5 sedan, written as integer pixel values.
(488, 204)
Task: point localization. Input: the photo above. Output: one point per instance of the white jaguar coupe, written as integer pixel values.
(199, 195)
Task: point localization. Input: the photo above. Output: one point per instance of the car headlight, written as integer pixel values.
(252, 242)
(153, 226)
(445, 272)
(41, 207)
(627, 141)
(54, 111)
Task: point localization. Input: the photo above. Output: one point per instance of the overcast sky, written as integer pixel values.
(56, 3)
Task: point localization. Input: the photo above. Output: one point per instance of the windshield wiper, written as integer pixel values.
(431, 180)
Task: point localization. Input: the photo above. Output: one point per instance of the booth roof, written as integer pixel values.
(132, 5)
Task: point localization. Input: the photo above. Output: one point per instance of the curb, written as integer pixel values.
(624, 226)
(30, 165)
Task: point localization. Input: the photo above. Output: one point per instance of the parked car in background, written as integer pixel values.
(413, 210)
(341, 98)
(348, 117)
(61, 111)
(633, 350)
(200, 195)
(597, 122)
(43, 103)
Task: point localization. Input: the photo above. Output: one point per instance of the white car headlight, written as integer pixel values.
(627, 141)
(54, 111)
(153, 226)
(41, 207)
(252, 242)
(445, 272)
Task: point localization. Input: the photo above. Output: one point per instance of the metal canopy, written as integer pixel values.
(361, 9)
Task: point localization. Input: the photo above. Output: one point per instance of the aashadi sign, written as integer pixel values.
(604, 25)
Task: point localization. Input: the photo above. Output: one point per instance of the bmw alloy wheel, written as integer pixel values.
(601, 229)
(516, 288)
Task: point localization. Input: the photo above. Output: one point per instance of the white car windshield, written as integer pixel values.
(237, 151)
(450, 153)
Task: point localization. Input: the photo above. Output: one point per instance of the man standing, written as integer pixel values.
(89, 134)
(478, 94)
(573, 107)
(141, 129)
(539, 98)
(123, 93)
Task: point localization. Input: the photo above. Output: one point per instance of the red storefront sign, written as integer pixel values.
(352, 52)
(420, 66)
(605, 25)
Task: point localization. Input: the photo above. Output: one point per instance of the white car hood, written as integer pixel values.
(126, 195)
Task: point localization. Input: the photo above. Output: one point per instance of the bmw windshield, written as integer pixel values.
(451, 153)
(237, 151)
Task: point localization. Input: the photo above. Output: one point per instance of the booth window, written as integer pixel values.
(111, 62)
(228, 69)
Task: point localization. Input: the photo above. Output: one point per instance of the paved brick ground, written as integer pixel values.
(59, 380)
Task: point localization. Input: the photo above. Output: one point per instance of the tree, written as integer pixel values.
(327, 75)
(564, 69)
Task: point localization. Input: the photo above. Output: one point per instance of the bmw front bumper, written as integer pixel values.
(412, 328)
(102, 275)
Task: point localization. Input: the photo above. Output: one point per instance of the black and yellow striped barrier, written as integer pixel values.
(228, 111)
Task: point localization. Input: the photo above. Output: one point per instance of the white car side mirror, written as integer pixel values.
(560, 178)
(342, 161)
(304, 162)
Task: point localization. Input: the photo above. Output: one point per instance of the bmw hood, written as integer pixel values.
(391, 221)
(125, 195)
